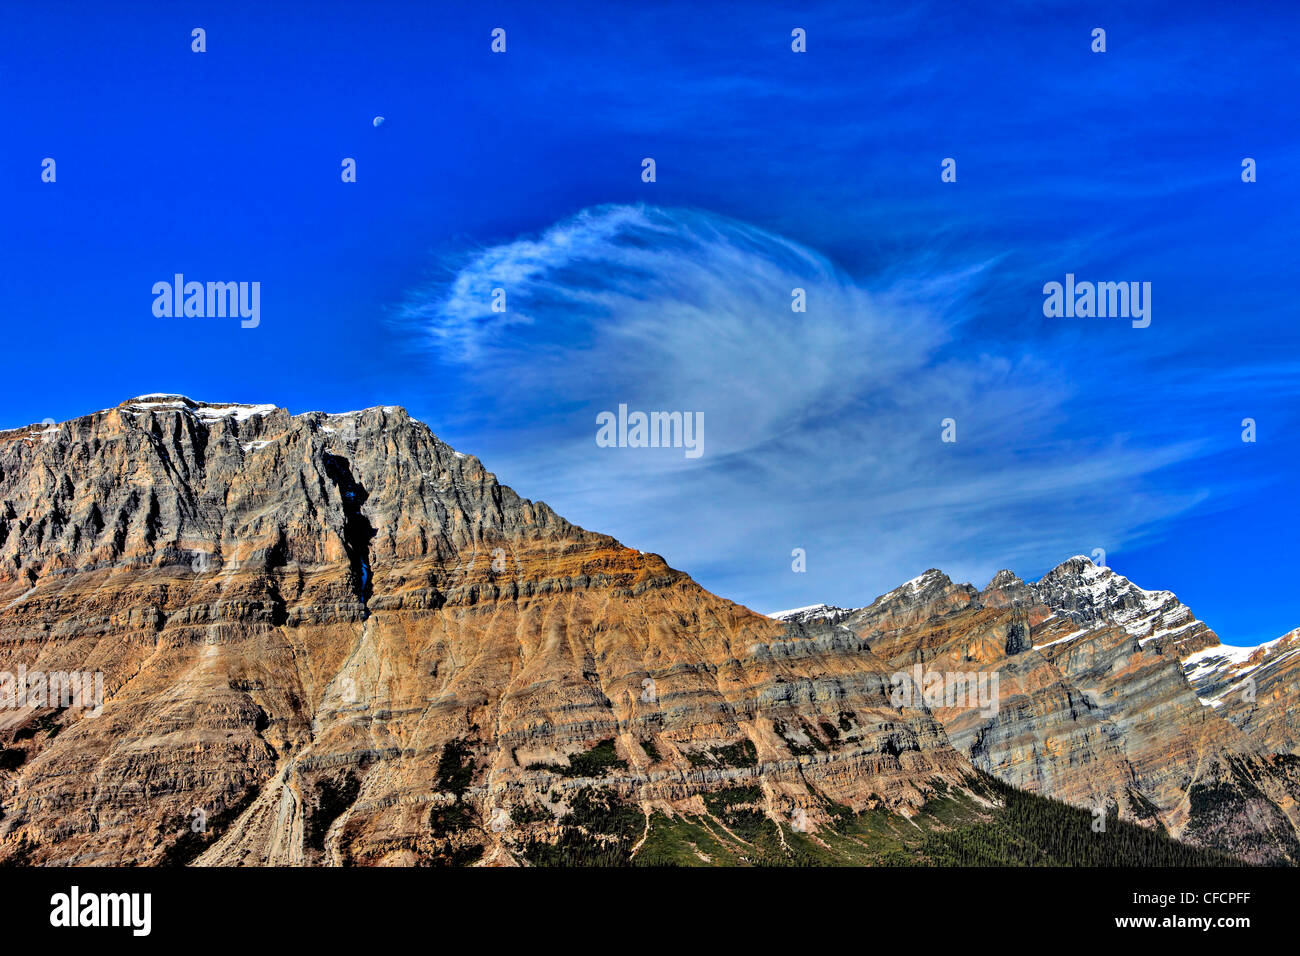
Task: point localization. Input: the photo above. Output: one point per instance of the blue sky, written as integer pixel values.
(774, 169)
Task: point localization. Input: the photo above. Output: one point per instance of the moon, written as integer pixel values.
(378, 121)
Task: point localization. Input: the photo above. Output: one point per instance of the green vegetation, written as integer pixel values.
(455, 767)
(454, 855)
(741, 754)
(47, 723)
(446, 819)
(331, 799)
(449, 822)
(1036, 831)
(1216, 807)
(988, 823)
(526, 813)
(189, 844)
(799, 750)
(1145, 810)
(983, 822)
(596, 762)
(11, 758)
(455, 774)
(599, 830)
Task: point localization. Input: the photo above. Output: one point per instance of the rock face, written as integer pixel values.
(331, 639)
(811, 614)
(1090, 595)
(1109, 697)
(1253, 687)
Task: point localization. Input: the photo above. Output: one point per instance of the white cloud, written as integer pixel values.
(822, 428)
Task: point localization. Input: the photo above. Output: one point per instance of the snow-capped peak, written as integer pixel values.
(1219, 670)
(207, 411)
(919, 583)
(1094, 595)
(813, 612)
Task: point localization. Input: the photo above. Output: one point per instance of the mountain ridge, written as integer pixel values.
(339, 641)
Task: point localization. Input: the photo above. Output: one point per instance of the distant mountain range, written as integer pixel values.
(333, 640)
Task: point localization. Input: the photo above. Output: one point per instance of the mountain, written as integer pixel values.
(1111, 697)
(1253, 687)
(814, 612)
(332, 639)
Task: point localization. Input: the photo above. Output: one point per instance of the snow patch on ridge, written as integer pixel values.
(813, 612)
(239, 412)
(782, 615)
(915, 585)
(206, 411)
(1227, 668)
(1068, 637)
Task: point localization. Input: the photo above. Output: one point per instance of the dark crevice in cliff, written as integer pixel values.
(276, 559)
(152, 519)
(193, 840)
(357, 530)
(331, 800)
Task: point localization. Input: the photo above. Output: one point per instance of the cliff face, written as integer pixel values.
(333, 639)
(1094, 702)
(1255, 688)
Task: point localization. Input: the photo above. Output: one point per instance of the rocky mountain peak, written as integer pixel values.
(1005, 579)
(924, 583)
(920, 591)
(1093, 595)
(160, 398)
(348, 643)
(930, 594)
(814, 612)
(1077, 564)
(161, 401)
(1007, 589)
(163, 479)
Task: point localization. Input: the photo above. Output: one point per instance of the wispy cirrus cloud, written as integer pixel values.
(822, 427)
